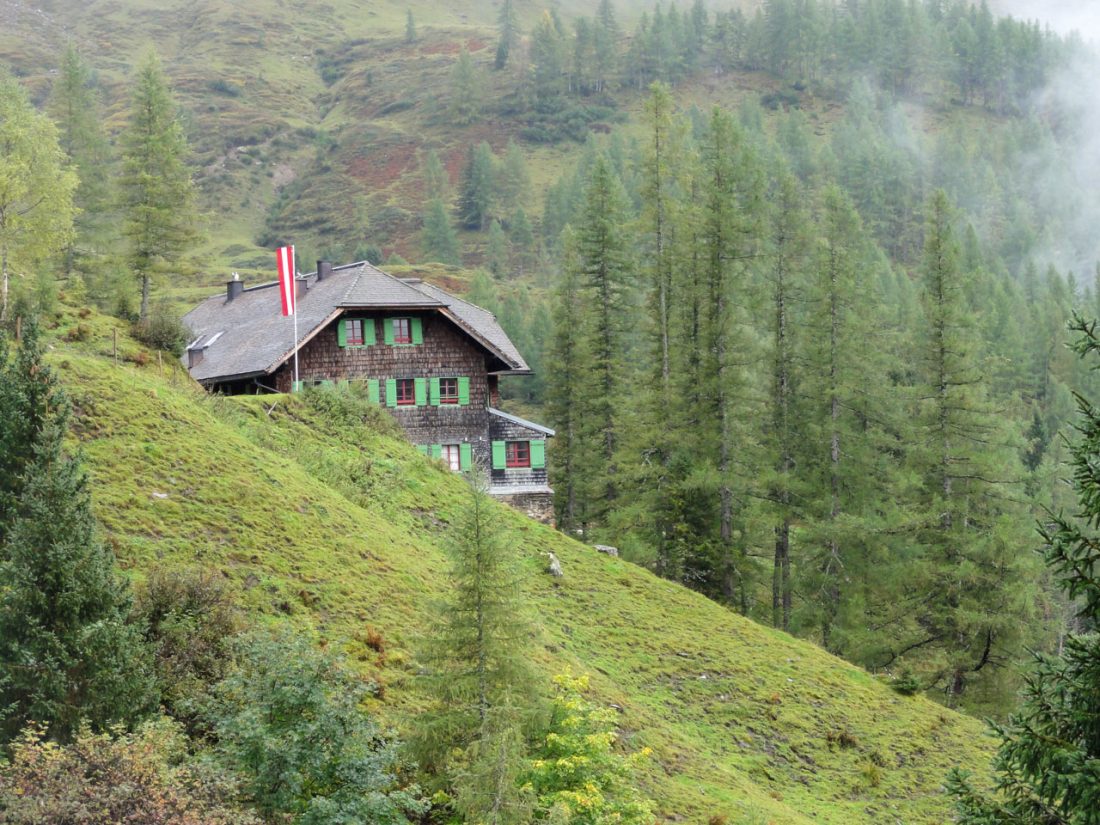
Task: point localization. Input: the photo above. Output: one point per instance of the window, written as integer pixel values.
(353, 329)
(402, 331)
(406, 392)
(517, 454)
(448, 390)
(452, 456)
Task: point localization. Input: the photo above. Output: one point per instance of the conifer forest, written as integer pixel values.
(809, 291)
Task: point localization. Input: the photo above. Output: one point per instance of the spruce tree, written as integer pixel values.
(66, 650)
(157, 195)
(410, 27)
(1046, 764)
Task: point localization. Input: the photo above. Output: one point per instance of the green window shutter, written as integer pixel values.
(422, 449)
(498, 455)
(465, 457)
(368, 332)
(326, 383)
(387, 330)
(372, 390)
(420, 390)
(433, 393)
(437, 451)
(417, 331)
(391, 392)
(343, 383)
(342, 332)
(538, 454)
(463, 390)
(296, 386)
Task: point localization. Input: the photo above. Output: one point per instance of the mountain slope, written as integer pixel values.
(319, 513)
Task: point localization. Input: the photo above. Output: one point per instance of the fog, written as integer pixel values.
(1064, 16)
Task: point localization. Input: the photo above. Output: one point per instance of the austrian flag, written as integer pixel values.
(285, 258)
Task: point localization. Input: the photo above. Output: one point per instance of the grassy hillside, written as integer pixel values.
(318, 513)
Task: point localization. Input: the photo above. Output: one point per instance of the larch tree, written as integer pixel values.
(508, 25)
(972, 618)
(156, 191)
(439, 239)
(477, 194)
(476, 656)
(465, 103)
(36, 189)
(565, 389)
(604, 254)
(74, 106)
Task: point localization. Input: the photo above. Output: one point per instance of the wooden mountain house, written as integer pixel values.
(432, 359)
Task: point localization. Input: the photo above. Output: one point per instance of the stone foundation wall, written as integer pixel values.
(539, 506)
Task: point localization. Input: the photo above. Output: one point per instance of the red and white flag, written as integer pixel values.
(285, 258)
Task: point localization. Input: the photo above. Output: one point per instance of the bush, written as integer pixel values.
(906, 683)
(162, 330)
(189, 621)
(106, 779)
(289, 724)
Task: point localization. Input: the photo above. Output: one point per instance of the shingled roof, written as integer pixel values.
(248, 336)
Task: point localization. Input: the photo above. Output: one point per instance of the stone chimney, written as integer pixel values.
(324, 269)
(233, 288)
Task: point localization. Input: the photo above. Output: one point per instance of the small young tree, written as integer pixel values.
(476, 657)
(36, 190)
(466, 91)
(576, 775)
(157, 195)
(289, 723)
(1046, 764)
(67, 653)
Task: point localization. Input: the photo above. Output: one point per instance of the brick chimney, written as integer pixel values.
(234, 288)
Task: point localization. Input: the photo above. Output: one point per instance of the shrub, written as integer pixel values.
(906, 683)
(103, 779)
(162, 330)
(288, 722)
(189, 621)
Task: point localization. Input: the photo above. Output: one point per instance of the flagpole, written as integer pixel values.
(294, 287)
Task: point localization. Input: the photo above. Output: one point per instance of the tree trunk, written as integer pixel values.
(4, 285)
(144, 314)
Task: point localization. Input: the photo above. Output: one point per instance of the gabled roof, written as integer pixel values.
(249, 336)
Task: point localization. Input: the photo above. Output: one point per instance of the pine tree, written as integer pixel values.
(157, 195)
(36, 190)
(74, 106)
(1045, 765)
(439, 239)
(466, 91)
(67, 653)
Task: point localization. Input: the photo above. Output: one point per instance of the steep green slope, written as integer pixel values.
(319, 513)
